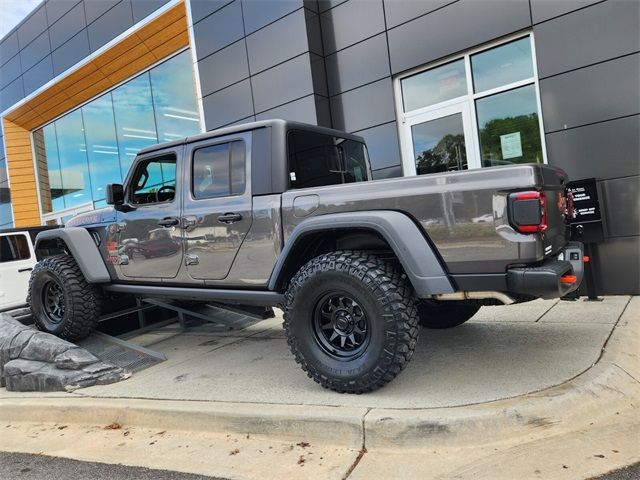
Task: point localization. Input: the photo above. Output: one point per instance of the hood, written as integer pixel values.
(104, 215)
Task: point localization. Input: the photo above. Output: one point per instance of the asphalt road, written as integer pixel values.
(22, 466)
(632, 472)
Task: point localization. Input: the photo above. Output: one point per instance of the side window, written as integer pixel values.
(218, 170)
(154, 181)
(317, 160)
(13, 248)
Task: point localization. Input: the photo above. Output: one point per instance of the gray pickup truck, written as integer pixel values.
(277, 213)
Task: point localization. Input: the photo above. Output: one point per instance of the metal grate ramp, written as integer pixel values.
(127, 355)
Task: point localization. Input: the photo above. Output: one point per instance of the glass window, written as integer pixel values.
(14, 247)
(509, 128)
(316, 160)
(53, 167)
(439, 145)
(175, 104)
(149, 184)
(502, 65)
(102, 146)
(434, 86)
(219, 170)
(72, 150)
(135, 122)
(6, 217)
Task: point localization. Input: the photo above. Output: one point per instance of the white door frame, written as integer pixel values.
(415, 118)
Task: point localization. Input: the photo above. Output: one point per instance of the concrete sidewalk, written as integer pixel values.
(482, 398)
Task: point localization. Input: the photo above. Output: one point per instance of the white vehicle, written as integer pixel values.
(17, 259)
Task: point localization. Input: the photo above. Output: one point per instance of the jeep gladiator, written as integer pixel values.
(278, 213)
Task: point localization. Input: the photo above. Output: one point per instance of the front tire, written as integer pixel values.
(62, 302)
(438, 315)
(351, 321)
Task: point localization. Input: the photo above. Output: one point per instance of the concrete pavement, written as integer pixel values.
(564, 412)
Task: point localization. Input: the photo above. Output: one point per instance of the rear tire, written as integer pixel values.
(351, 321)
(440, 315)
(62, 302)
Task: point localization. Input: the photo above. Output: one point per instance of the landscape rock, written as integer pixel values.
(33, 361)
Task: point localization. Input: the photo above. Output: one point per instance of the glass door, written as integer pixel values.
(439, 140)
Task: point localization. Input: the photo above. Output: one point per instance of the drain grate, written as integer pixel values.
(127, 355)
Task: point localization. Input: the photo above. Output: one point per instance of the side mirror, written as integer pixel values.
(115, 194)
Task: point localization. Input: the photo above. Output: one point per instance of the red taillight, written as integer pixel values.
(529, 211)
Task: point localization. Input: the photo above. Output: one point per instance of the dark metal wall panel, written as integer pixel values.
(67, 26)
(600, 92)
(10, 71)
(621, 205)
(277, 42)
(258, 13)
(288, 81)
(35, 51)
(57, 8)
(616, 262)
(454, 28)
(402, 11)
(354, 66)
(383, 145)
(228, 105)
(144, 8)
(542, 10)
(11, 93)
(110, 25)
(364, 107)
(96, 8)
(351, 22)
(219, 30)
(224, 68)
(603, 150)
(9, 48)
(32, 26)
(594, 34)
(71, 52)
(38, 75)
(301, 110)
(204, 8)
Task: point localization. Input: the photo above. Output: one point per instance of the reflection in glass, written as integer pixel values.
(102, 147)
(135, 124)
(502, 65)
(439, 146)
(509, 128)
(434, 86)
(175, 104)
(72, 151)
(53, 166)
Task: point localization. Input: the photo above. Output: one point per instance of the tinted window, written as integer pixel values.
(218, 170)
(317, 160)
(155, 181)
(14, 247)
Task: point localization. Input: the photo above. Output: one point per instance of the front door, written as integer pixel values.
(217, 204)
(439, 141)
(17, 259)
(150, 238)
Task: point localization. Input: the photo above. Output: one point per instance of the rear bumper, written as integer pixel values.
(545, 280)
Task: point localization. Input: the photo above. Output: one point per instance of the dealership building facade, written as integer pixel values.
(432, 86)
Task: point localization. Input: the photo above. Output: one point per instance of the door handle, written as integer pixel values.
(229, 218)
(20, 270)
(169, 222)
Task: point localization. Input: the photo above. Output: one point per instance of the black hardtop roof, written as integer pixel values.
(285, 125)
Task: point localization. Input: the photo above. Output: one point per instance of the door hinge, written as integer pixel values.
(190, 259)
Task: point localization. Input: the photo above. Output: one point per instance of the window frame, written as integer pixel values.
(133, 173)
(228, 142)
(404, 118)
(29, 248)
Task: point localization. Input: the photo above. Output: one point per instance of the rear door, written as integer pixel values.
(17, 259)
(217, 204)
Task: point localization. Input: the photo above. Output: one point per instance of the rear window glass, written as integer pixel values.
(14, 247)
(218, 170)
(316, 160)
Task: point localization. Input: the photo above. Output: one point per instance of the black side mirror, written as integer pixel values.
(115, 194)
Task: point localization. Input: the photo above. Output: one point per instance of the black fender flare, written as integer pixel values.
(420, 263)
(82, 248)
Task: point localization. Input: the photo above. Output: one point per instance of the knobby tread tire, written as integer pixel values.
(392, 291)
(83, 300)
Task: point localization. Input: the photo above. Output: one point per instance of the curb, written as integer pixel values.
(609, 387)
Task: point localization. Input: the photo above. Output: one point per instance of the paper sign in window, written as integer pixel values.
(511, 145)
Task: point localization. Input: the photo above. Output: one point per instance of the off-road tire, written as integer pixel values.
(386, 296)
(439, 315)
(82, 301)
